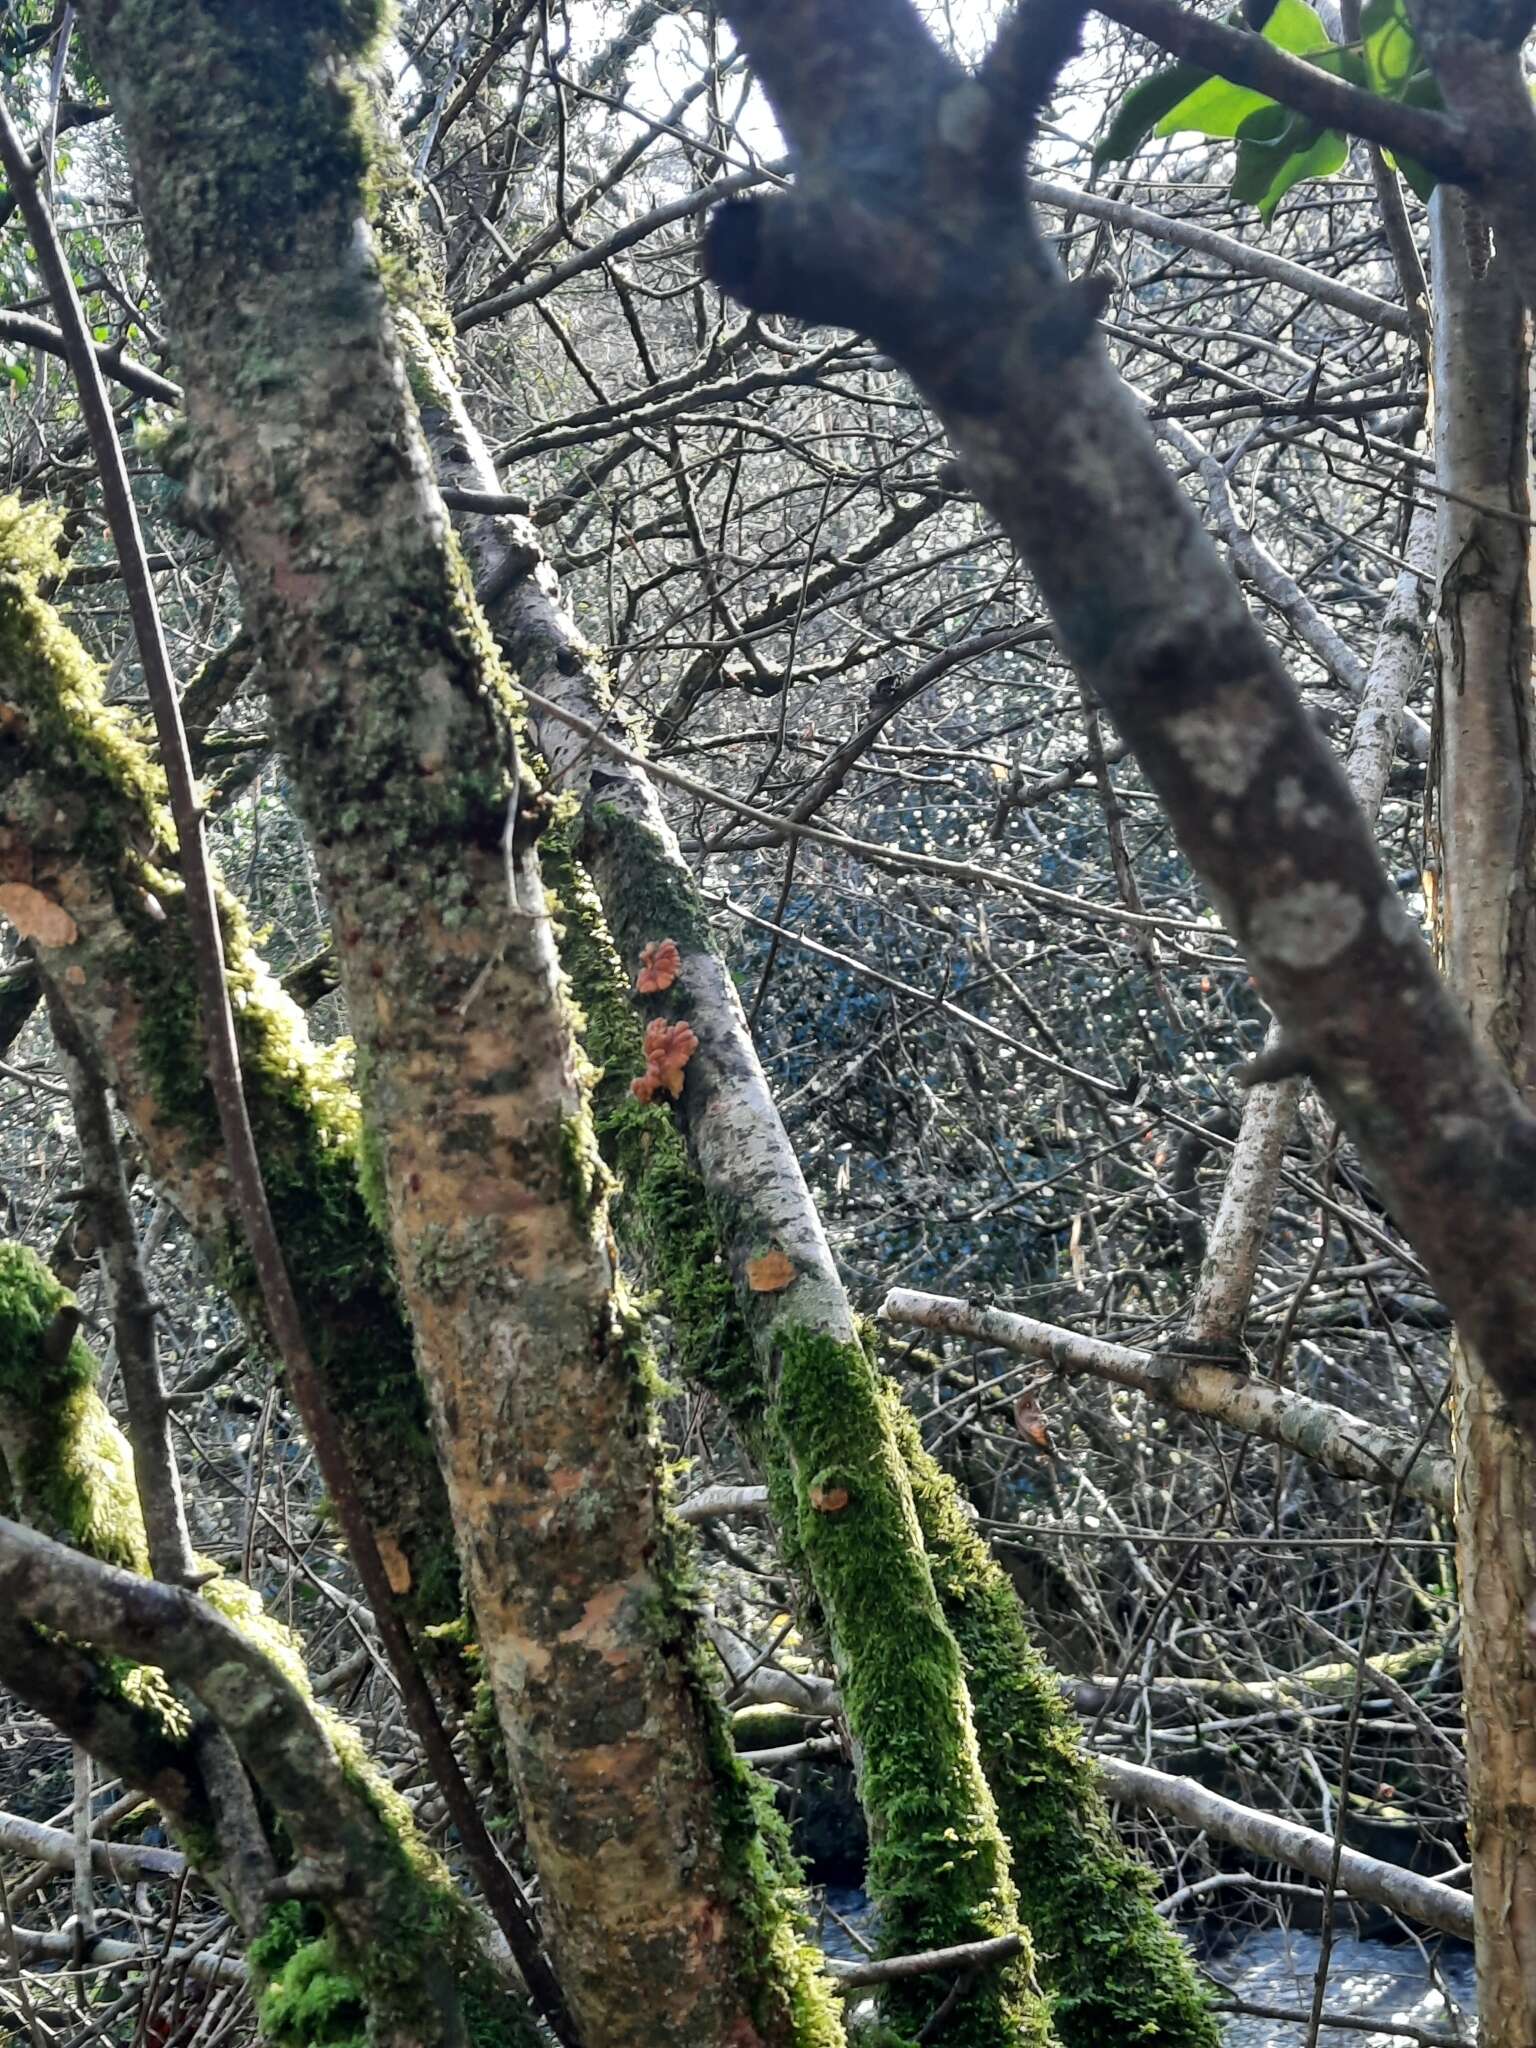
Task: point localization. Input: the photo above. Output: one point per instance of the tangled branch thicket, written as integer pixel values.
(1001, 1028)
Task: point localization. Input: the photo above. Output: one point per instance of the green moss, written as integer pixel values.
(307, 1996)
(96, 754)
(79, 1478)
(938, 1863)
(790, 1996)
(937, 1883)
(315, 1159)
(83, 772)
(1115, 1970)
(304, 131)
(71, 1467)
(766, 1727)
(583, 1175)
(316, 1993)
(409, 268)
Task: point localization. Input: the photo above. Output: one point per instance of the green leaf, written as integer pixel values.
(1143, 107)
(1391, 51)
(1219, 107)
(1326, 156)
(1420, 181)
(1278, 148)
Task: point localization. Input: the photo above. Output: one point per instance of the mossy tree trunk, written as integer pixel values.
(248, 136)
(1107, 1959)
(88, 873)
(698, 1214)
(352, 1919)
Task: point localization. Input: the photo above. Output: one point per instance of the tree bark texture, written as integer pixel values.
(1486, 804)
(697, 1227)
(909, 222)
(249, 140)
(87, 872)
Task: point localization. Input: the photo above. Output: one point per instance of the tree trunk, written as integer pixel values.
(1241, 1224)
(1486, 804)
(87, 871)
(696, 1222)
(248, 138)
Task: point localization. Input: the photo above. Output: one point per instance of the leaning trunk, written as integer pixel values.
(248, 137)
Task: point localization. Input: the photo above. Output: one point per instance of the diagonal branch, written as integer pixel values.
(1341, 1443)
(1445, 146)
(893, 227)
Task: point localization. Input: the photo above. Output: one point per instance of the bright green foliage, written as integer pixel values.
(1219, 108)
(1277, 148)
(73, 1470)
(1115, 1971)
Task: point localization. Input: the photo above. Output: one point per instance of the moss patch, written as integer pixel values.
(938, 1863)
(72, 1470)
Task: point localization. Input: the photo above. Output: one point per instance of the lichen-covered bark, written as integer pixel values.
(386, 1941)
(1114, 1968)
(1331, 1436)
(909, 221)
(249, 147)
(1241, 1224)
(1486, 804)
(87, 871)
